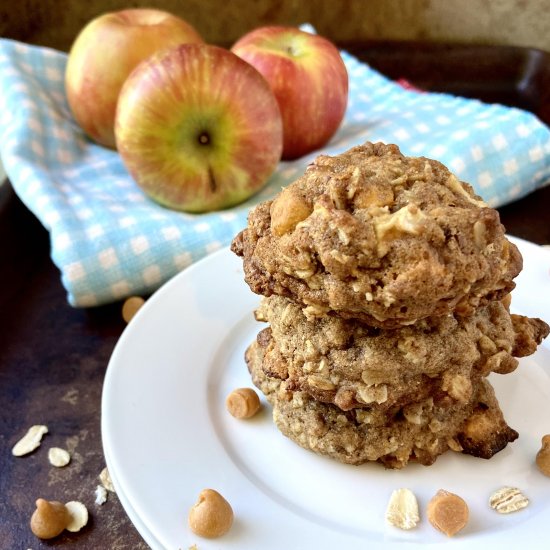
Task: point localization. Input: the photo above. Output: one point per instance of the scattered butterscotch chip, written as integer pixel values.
(507, 500)
(30, 441)
(543, 456)
(100, 495)
(78, 516)
(49, 519)
(106, 481)
(402, 509)
(131, 306)
(447, 512)
(211, 516)
(243, 403)
(58, 457)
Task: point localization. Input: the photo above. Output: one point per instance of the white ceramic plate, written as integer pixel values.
(167, 435)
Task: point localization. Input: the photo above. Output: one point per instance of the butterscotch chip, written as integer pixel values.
(131, 306)
(447, 512)
(243, 403)
(52, 518)
(49, 519)
(543, 456)
(211, 516)
(374, 235)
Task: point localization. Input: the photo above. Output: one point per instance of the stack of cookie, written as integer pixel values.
(386, 287)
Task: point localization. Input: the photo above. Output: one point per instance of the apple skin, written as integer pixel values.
(309, 79)
(198, 128)
(105, 52)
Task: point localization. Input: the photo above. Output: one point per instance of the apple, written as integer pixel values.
(309, 79)
(103, 55)
(198, 128)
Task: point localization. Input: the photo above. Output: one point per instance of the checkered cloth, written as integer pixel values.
(110, 241)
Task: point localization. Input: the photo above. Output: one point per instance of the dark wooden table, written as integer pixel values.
(53, 357)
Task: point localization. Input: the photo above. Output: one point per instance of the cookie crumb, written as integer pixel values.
(105, 479)
(100, 495)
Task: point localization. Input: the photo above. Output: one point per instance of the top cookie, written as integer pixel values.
(374, 235)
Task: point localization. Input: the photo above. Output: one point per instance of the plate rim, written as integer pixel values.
(166, 289)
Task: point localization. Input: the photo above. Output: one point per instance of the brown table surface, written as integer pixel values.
(53, 357)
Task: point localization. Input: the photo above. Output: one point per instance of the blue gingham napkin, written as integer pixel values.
(110, 241)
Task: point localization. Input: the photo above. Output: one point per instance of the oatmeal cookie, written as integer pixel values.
(351, 365)
(374, 235)
(349, 437)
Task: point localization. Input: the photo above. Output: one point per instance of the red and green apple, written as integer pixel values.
(105, 52)
(198, 128)
(309, 79)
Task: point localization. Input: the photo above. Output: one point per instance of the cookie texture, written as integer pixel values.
(374, 235)
(349, 437)
(351, 364)
(386, 301)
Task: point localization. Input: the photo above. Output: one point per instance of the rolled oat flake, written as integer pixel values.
(507, 500)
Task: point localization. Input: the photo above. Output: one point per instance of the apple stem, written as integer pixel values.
(212, 180)
(291, 51)
(204, 139)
